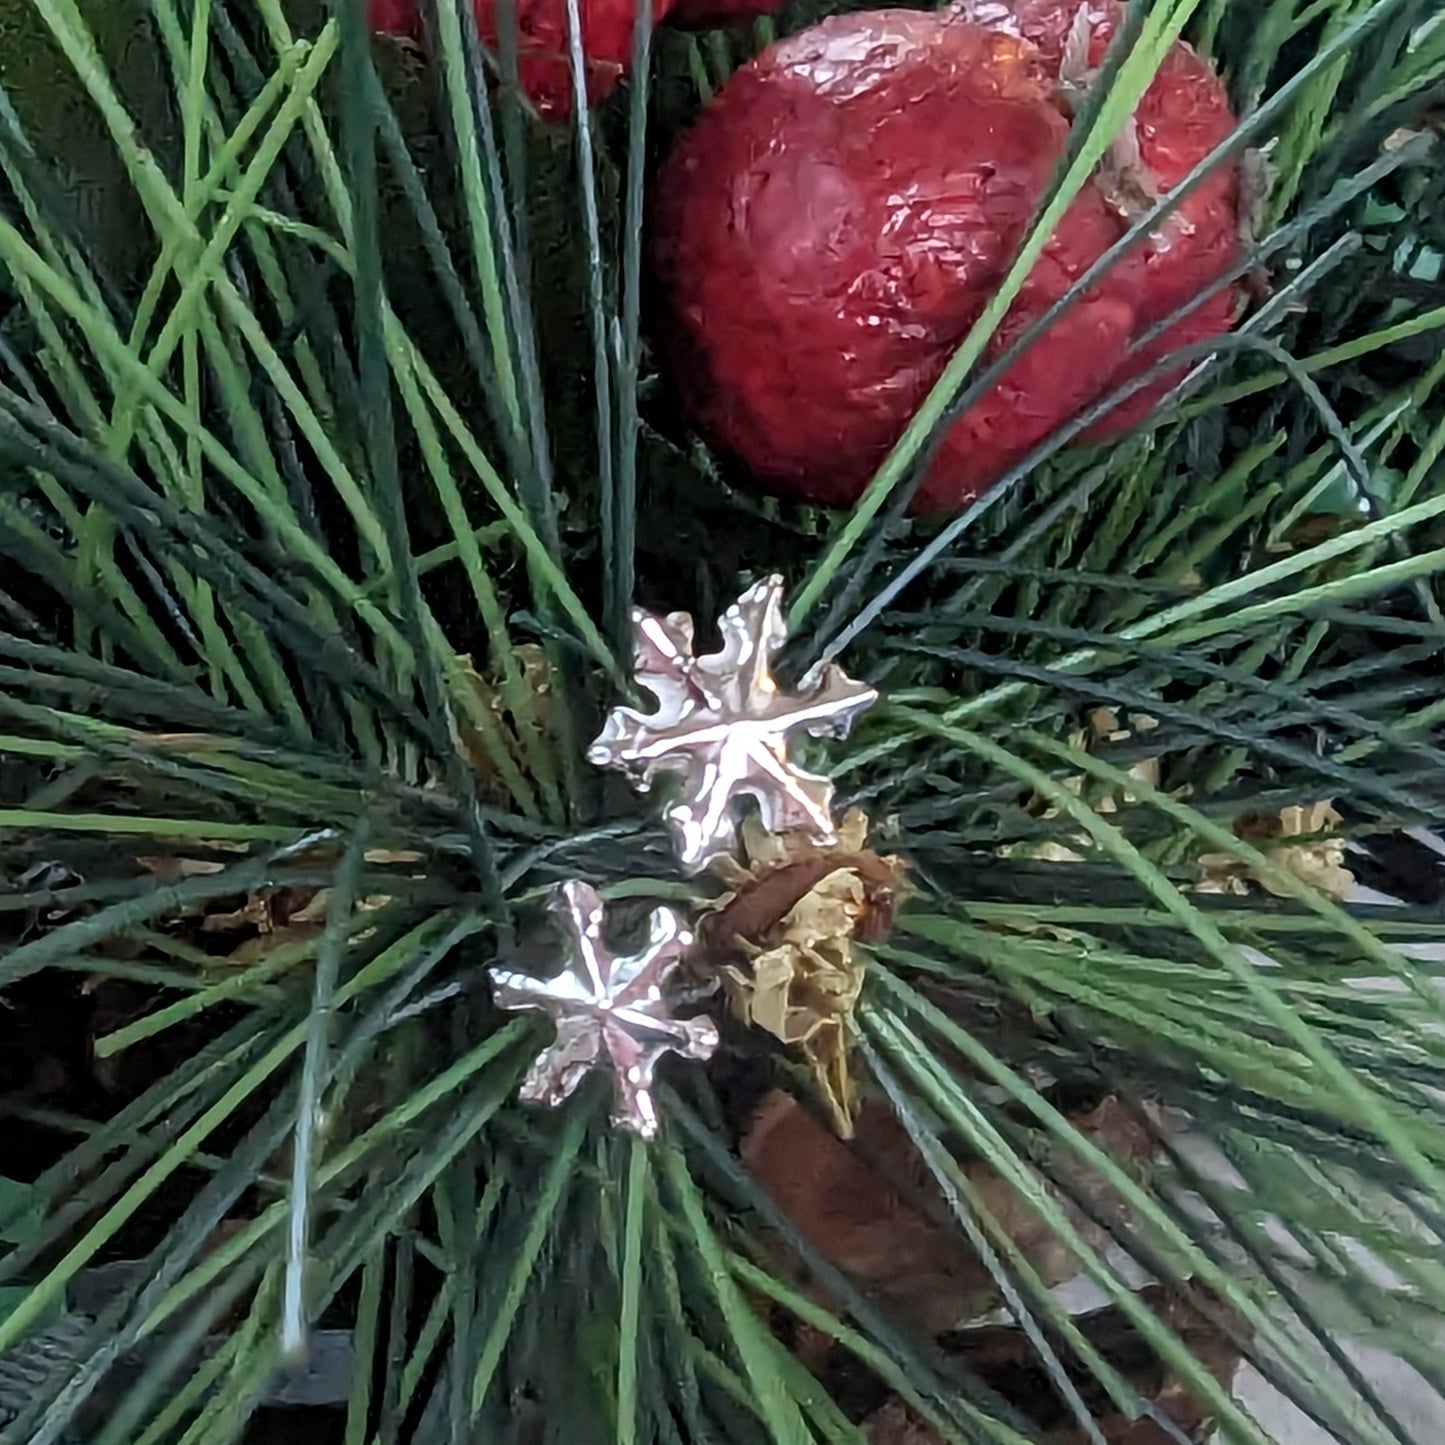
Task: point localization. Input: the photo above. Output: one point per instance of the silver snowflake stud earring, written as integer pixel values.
(610, 1011)
(722, 726)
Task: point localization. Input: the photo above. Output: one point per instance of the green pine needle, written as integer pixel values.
(333, 462)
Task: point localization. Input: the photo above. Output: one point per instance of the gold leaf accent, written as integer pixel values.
(537, 679)
(1319, 863)
(783, 944)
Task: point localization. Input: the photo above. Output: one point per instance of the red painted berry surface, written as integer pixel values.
(544, 70)
(837, 218)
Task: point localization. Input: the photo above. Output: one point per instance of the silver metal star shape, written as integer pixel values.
(609, 1011)
(723, 726)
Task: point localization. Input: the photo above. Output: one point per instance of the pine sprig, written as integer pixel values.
(326, 518)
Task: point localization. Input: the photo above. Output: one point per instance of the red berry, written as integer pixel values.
(839, 216)
(395, 17)
(1181, 118)
(543, 67)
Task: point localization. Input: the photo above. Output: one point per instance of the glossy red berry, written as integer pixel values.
(395, 17)
(838, 217)
(543, 68)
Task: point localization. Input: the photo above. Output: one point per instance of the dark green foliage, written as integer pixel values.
(329, 465)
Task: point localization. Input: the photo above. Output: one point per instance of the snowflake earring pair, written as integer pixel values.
(722, 730)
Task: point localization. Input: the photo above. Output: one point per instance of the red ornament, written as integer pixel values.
(395, 17)
(543, 67)
(838, 217)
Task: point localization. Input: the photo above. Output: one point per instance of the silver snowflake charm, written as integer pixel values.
(609, 1011)
(722, 726)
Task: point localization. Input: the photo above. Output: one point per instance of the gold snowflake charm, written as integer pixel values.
(723, 726)
(609, 1011)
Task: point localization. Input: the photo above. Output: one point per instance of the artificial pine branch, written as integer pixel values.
(334, 451)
